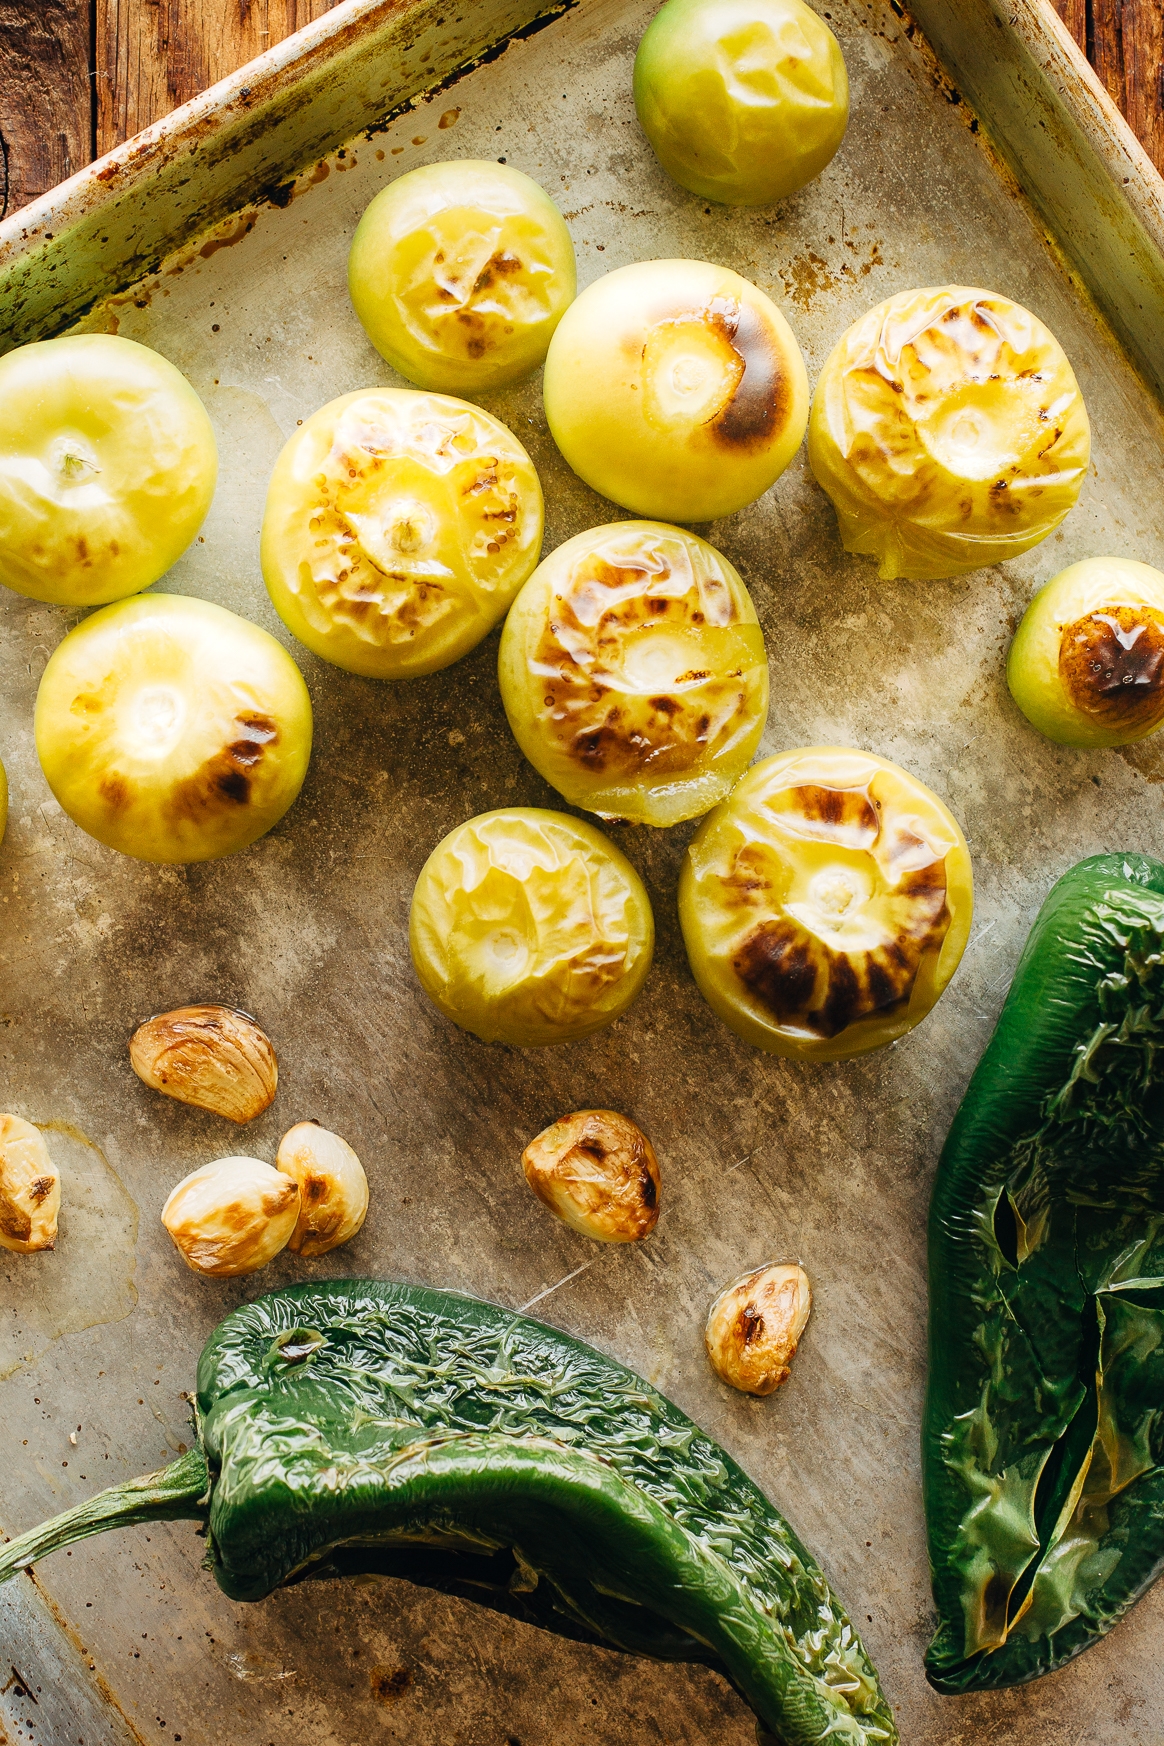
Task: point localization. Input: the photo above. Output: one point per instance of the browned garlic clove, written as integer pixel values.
(598, 1172)
(210, 1056)
(232, 1216)
(755, 1324)
(333, 1190)
(30, 1188)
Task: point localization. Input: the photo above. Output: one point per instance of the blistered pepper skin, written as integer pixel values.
(1042, 1458)
(342, 1424)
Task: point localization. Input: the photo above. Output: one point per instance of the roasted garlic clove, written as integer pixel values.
(754, 1326)
(598, 1172)
(232, 1216)
(333, 1190)
(210, 1056)
(30, 1188)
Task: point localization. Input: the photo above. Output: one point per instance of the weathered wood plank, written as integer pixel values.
(1143, 34)
(1074, 15)
(45, 96)
(153, 55)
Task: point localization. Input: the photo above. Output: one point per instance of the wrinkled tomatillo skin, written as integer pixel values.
(826, 904)
(107, 468)
(744, 101)
(460, 273)
(172, 730)
(634, 674)
(1087, 664)
(949, 430)
(677, 389)
(398, 528)
(529, 927)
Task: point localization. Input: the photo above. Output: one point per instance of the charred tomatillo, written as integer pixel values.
(634, 674)
(107, 468)
(398, 528)
(826, 904)
(949, 430)
(677, 389)
(460, 273)
(172, 730)
(529, 927)
(743, 101)
(1087, 664)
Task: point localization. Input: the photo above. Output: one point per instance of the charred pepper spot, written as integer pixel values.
(1111, 664)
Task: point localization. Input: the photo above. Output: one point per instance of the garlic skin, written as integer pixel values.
(232, 1216)
(333, 1190)
(597, 1172)
(210, 1056)
(754, 1326)
(30, 1188)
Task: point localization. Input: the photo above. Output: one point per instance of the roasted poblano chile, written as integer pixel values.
(1044, 1428)
(362, 1425)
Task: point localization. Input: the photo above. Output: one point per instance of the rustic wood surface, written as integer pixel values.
(80, 76)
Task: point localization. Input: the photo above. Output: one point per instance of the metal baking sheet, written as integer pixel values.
(761, 1157)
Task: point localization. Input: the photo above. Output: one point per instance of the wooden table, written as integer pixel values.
(80, 76)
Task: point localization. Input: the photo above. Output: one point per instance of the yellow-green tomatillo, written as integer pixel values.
(634, 674)
(172, 730)
(677, 389)
(460, 273)
(398, 528)
(107, 468)
(826, 904)
(949, 430)
(744, 101)
(1087, 664)
(529, 927)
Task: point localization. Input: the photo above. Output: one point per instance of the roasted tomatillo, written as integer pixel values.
(744, 101)
(107, 468)
(528, 927)
(949, 430)
(171, 730)
(634, 674)
(460, 273)
(826, 903)
(1087, 665)
(677, 389)
(398, 528)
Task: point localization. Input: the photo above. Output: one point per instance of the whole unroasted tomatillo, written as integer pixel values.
(634, 674)
(30, 1188)
(529, 927)
(460, 273)
(209, 1056)
(949, 430)
(826, 904)
(754, 1326)
(1087, 664)
(397, 530)
(232, 1216)
(172, 730)
(743, 101)
(597, 1171)
(677, 389)
(107, 468)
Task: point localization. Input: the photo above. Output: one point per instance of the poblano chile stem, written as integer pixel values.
(178, 1492)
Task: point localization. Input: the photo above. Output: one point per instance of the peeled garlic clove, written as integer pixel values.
(598, 1172)
(210, 1056)
(333, 1190)
(755, 1324)
(232, 1216)
(30, 1188)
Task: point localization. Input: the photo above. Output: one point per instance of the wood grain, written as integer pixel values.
(153, 55)
(1074, 15)
(45, 96)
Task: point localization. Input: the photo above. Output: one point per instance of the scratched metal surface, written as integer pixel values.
(761, 1158)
